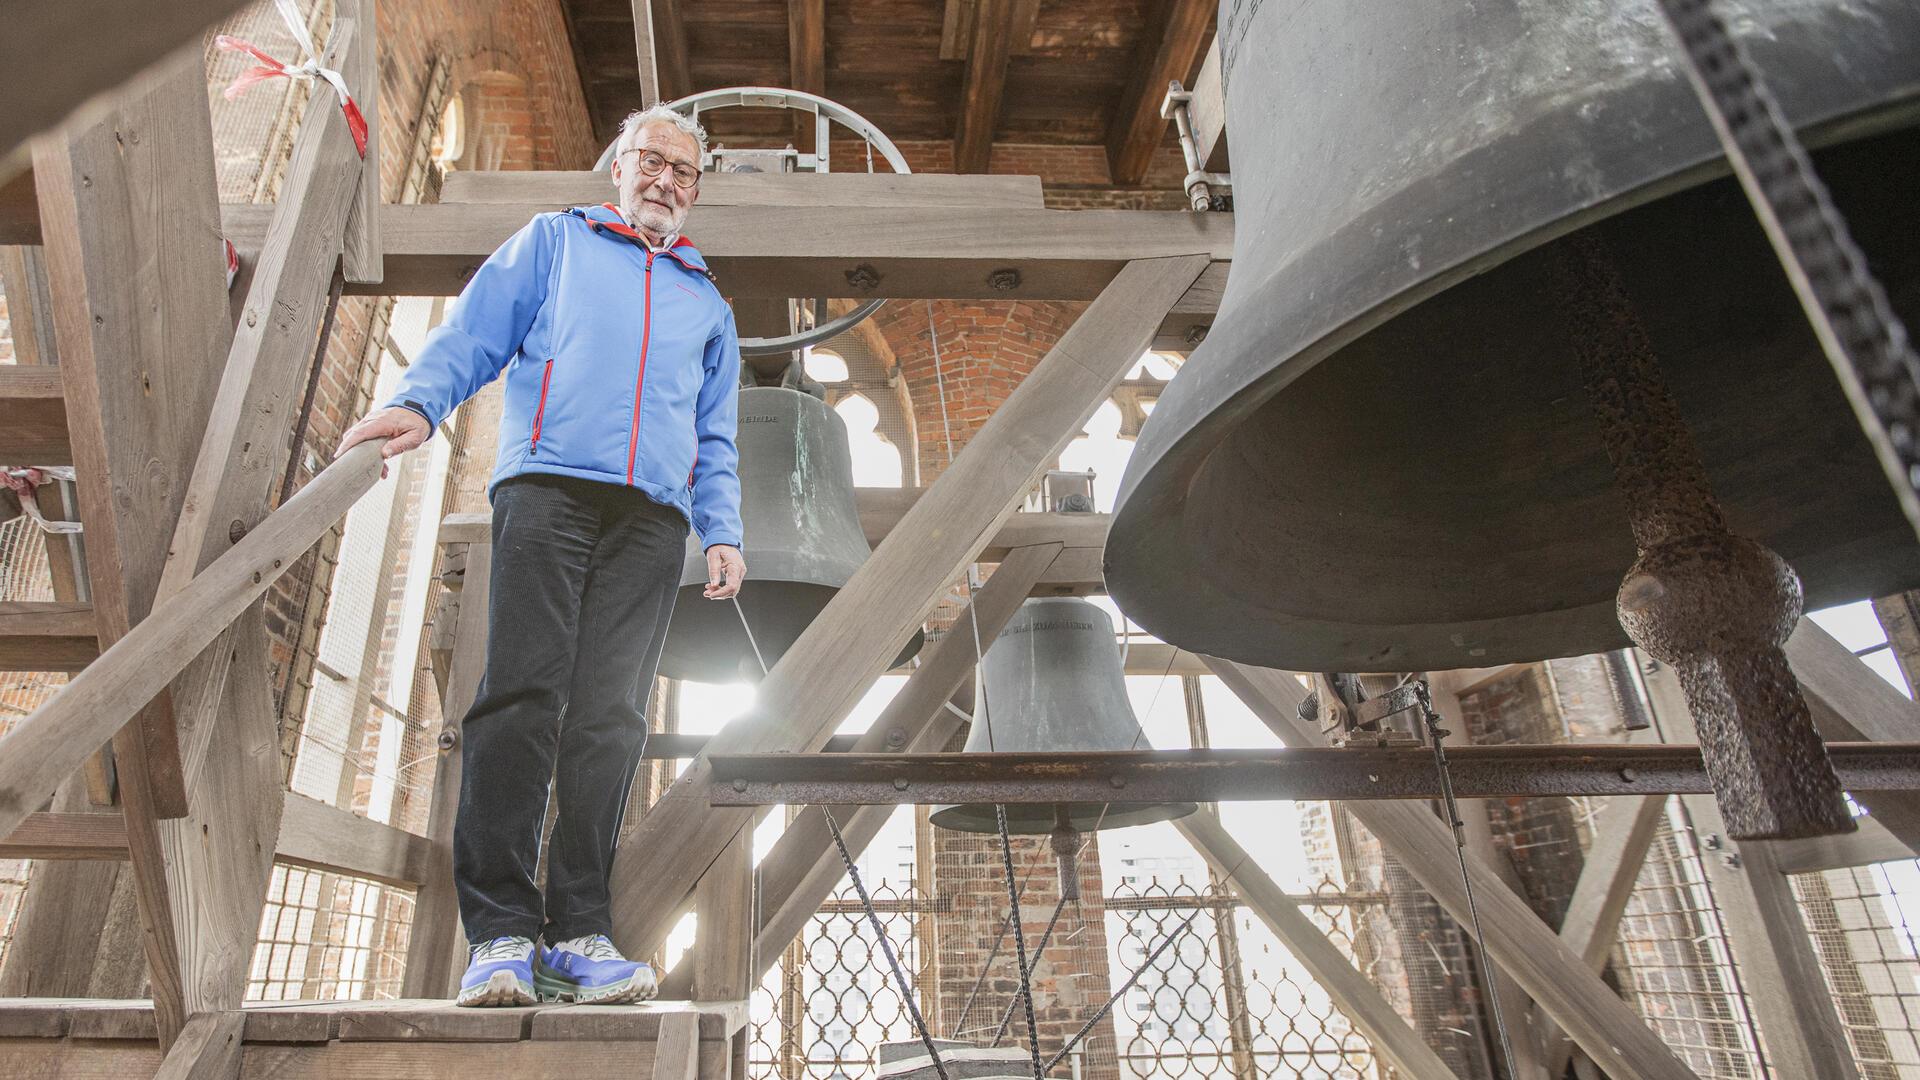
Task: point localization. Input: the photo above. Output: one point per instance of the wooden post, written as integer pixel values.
(436, 951)
(208, 1048)
(1780, 970)
(856, 637)
(1545, 967)
(1849, 702)
(140, 355)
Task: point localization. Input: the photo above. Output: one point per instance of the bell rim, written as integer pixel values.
(1171, 450)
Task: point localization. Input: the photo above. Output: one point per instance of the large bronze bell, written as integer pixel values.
(803, 541)
(1054, 683)
(1391, 451)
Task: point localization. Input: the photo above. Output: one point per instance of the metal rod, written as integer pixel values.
(1307, 773)
(1019, 942)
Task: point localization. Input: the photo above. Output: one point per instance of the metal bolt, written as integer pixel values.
(864, 277)
(739, 784)
(899, 783)
(1629, 775)
(1117, 781)
(1711, 841)
(896, 737)
(449, 738)
(1732, 859)
(1005, 280)
(236, 531)
(252, 319)
(1196, 334)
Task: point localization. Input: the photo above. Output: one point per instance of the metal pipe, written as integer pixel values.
(1311, 773)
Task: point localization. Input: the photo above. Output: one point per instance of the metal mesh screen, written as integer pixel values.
(329, 936)
(1858, 919)
(1674, 964)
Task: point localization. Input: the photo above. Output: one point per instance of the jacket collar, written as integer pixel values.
(606, 219)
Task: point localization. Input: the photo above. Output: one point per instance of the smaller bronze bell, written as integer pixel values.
(1054, 683)
(803, 541)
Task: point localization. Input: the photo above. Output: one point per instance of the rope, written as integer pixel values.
(1006, 1018)
(886, 947)
(1122, 992)
(1019, 941)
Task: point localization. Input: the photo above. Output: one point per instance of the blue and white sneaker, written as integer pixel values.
(590, 971)
(499, 972)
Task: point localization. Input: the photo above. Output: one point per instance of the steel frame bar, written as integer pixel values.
(1313, 773)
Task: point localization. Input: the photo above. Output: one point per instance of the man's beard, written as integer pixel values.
(655, 218)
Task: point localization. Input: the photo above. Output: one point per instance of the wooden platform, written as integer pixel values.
(54, 1037)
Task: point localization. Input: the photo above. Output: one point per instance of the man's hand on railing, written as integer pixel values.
(403, 429)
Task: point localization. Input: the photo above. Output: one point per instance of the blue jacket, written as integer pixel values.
(622, 364)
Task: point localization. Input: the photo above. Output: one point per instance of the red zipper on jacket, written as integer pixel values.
(639, 381)
(541, 410)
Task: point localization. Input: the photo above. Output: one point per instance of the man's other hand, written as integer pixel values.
(726, 569)
(403, 429)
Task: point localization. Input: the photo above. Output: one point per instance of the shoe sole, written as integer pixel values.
(501, 990)
(638, 987)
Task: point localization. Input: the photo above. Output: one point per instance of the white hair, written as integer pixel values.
(659, 113)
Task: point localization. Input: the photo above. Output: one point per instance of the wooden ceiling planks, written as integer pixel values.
(1070, 75)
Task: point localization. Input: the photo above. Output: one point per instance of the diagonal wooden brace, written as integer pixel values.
(852, 641)
(800, 873)
(1550, 972)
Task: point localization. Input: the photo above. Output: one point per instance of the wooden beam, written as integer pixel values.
(33, 417)
(880, 512)
(44, 78)
(676, 1055)
(1805, 1034)
(1850, 701)
(96, 836)
(918, 252)
(806, 60)
(554, 190)
(1623, 833)
(437, 945)
(1873, 843)
(139, 352)
(984, 85)
(208, 1048)
(39, 635)
(801, 872)
(1393, 1039)
(360, 259)
(312, 834)
(956, 28)
(23, 280)
(670, 50)
(834, 662)
(1207, 111)
(646, 52)
(1603, 1026)
(51, 743)
(1168, 54)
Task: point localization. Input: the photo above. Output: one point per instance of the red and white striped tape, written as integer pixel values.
(270, 68)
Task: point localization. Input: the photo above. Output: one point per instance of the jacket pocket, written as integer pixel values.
(540, 410)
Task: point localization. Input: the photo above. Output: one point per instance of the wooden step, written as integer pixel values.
(33, 416)
(46, 636)
(296, 1040)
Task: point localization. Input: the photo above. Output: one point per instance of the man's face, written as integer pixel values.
(655, 204)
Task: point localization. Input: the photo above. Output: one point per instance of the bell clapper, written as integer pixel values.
(1716, 606)
(1065, 840)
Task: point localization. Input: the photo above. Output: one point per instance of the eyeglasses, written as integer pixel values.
(651, 163)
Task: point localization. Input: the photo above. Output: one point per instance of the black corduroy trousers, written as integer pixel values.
(583, 582)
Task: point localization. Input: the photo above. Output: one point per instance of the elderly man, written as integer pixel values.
(621, 369)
